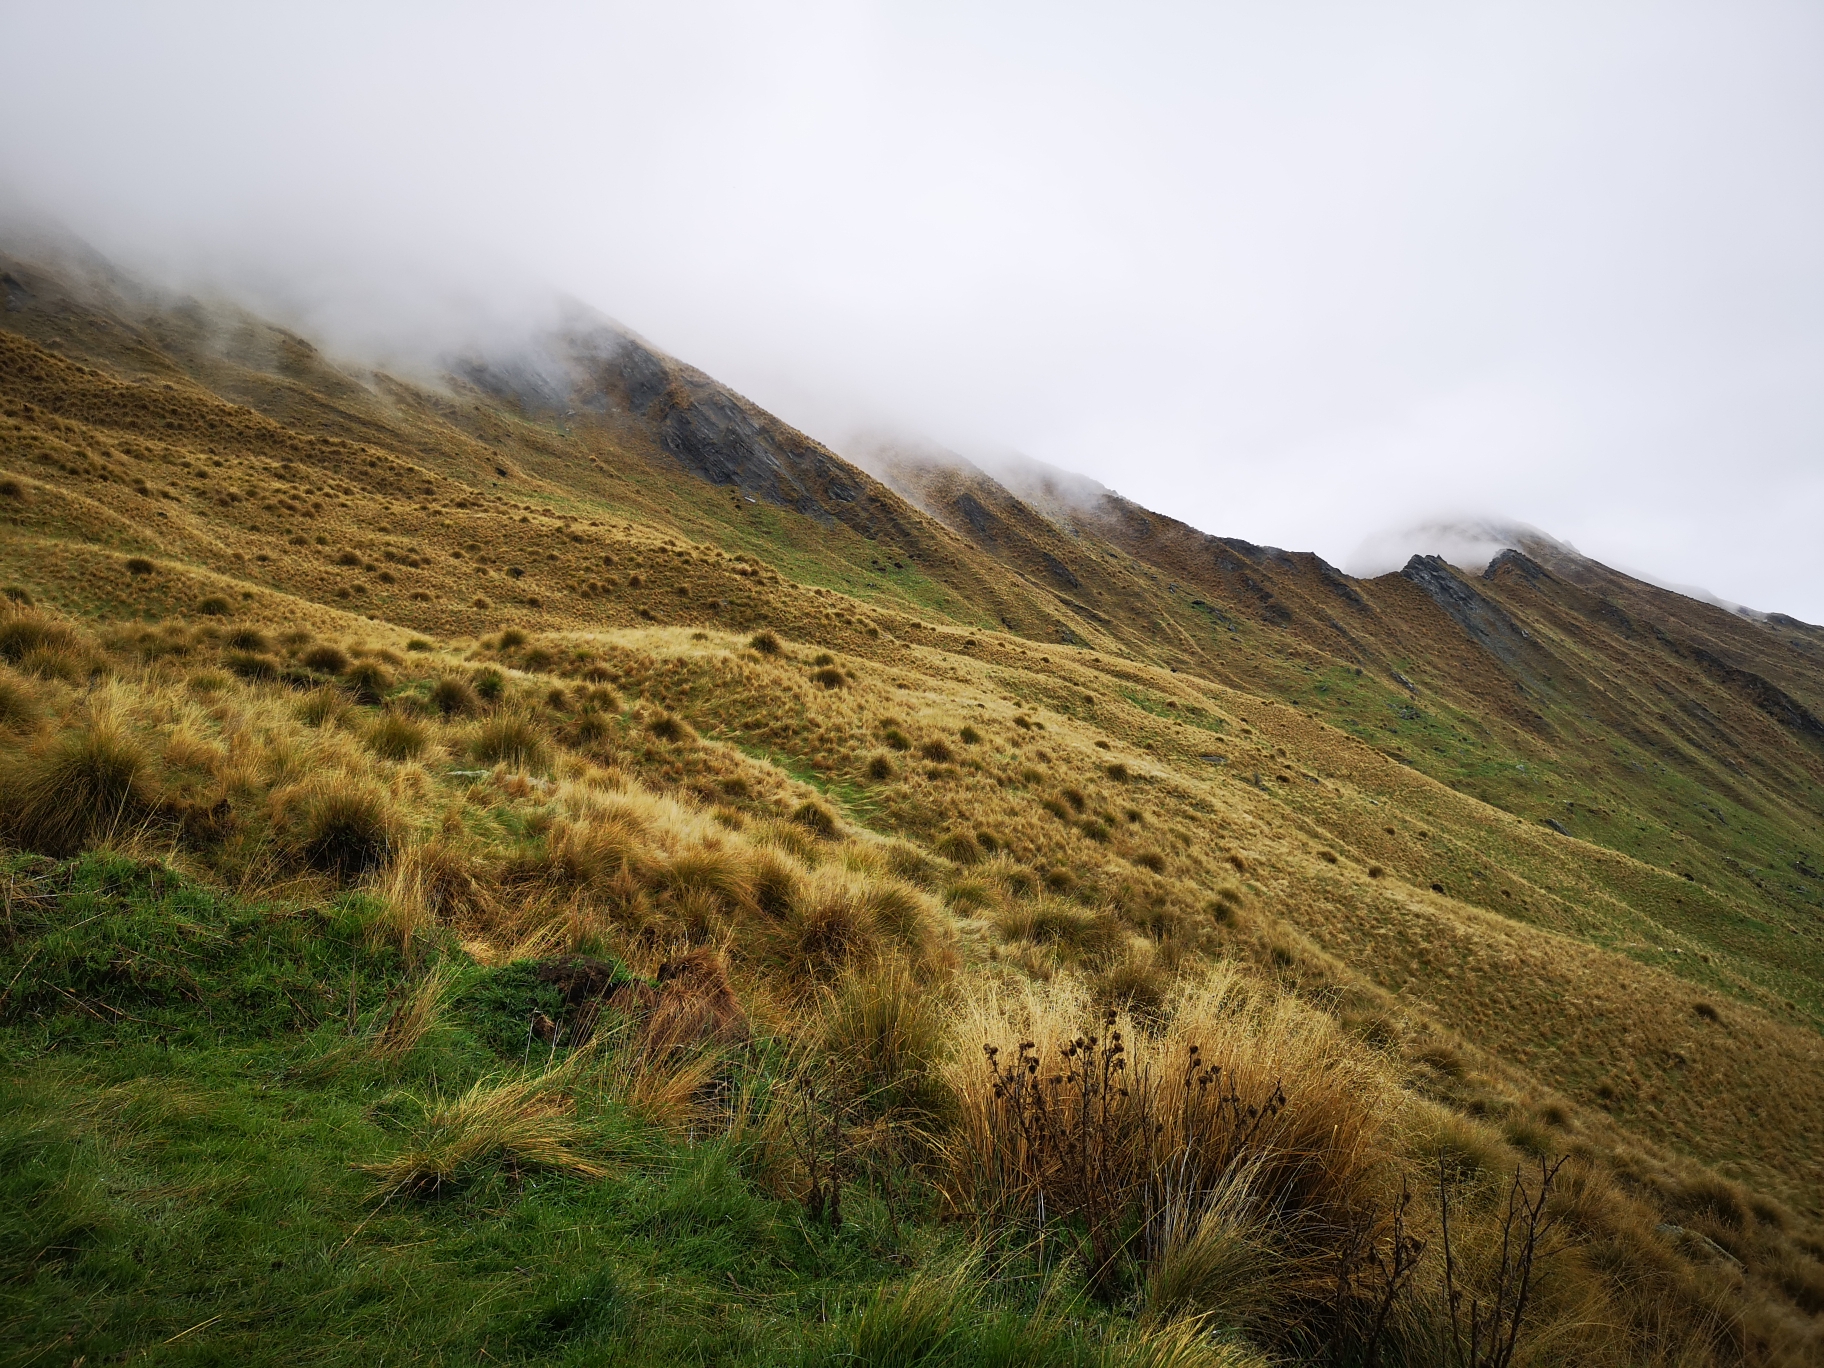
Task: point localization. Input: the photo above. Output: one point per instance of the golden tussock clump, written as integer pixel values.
(523, 1121)
(67, 791)
(339, 824)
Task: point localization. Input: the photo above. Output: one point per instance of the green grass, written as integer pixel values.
(185, 1117)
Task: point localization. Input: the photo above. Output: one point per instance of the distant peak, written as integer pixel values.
(1467, 543)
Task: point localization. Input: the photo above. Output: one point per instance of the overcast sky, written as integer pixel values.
(1296, 272)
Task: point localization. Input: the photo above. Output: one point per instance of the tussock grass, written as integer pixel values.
(454, 696)
(325, 658)
(510, 738)
(526, 1122)
(27, 632)
(833, 923)
(68, 790)
(1214, 1255)
(368, 681)
(340, 824)
(416, 1015)
(19, 708)
(1119, 1125)
(394, 736)
(886, 1032)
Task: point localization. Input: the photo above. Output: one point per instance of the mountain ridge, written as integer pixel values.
(1547, 821)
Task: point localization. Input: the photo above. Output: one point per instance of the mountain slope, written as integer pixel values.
(1548, 836)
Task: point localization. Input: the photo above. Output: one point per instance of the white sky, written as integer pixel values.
(1295, 272)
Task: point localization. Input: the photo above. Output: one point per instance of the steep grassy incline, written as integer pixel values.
(1682, 735)
(1541, 845)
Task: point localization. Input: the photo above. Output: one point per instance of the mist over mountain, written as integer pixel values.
(1298, 282)
(828, 684)
(491, 792)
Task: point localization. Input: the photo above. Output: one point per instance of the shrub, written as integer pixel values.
(341, 825)
(394, 736)
(829, 677)
(970, 736)
(895, 738)
(453, 696)
(936, 751)
(880, 768)
(215, 606)
(89, 782)
(418, 644)
(509, 738)
(139, 565)
(1118, 772)
(248, 639)
(766, 644)
(490, 684)
(511, 639)
(326, 659)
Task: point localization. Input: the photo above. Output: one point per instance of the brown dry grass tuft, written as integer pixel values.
(496, 1123)
(394, 736)
(454, 696)
(92, 781)
(510, 738)
(28, 632)
(1115, 1124)
(831, 924)
(19, 709)
(415, 1016)
(886, 1032)
(326, 659)
(340, 824)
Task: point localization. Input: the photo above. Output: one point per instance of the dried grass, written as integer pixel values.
(67, 791)
(512, 1122)
(416, 1015)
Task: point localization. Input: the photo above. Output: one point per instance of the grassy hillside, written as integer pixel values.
(339, 706)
